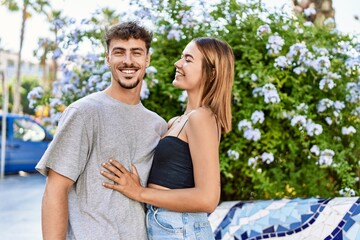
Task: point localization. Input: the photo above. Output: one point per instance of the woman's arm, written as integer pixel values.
(203, 138)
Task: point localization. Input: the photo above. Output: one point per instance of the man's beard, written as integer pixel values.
(128, 86)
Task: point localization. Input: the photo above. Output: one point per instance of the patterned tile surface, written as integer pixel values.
(292, 219)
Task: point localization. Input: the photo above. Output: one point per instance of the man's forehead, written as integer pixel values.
(129, 44)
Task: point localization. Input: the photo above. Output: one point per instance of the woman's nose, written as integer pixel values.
(177, 63)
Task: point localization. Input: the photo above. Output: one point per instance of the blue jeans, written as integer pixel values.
(165, 224)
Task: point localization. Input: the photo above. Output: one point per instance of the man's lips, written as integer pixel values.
(128, 71)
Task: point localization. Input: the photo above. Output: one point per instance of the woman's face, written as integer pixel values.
(189, 68)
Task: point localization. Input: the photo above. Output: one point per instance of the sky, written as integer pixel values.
(10, 22)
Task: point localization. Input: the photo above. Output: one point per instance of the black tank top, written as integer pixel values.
(172, 165)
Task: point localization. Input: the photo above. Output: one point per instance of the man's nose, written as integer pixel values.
(127, 58)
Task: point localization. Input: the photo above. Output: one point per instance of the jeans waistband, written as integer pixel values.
(151, 207)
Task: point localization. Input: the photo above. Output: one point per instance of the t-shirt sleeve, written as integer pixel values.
(67, 154)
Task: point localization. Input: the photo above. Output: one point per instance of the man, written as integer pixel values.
(112, 124)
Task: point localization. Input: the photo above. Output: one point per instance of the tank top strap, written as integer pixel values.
(188, 115)
(172, 123)
(182, 128)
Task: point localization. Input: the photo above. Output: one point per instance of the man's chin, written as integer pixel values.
(129, 85)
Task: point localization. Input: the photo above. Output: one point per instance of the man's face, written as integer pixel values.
(128, 60)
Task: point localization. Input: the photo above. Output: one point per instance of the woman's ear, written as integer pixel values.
(213, 76)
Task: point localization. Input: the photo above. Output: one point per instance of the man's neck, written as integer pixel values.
(127, 96)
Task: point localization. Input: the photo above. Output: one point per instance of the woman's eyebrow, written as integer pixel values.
(188, 55)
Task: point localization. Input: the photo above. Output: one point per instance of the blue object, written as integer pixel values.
(26, 142)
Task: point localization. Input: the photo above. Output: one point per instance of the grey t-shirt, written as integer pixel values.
(91, 131)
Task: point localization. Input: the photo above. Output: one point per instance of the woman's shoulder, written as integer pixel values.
(201, 114)
(202, 124)
(202, 118)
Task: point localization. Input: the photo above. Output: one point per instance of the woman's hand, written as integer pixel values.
(128, 183)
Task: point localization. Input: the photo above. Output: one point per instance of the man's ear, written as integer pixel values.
(107, 59)
(148, 57)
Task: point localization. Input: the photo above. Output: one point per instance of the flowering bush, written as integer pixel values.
(296, 94)
(296, 108)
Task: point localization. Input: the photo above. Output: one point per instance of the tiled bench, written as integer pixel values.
(297, 219)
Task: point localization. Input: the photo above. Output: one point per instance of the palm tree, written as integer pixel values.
(47, 45)
(26, 8)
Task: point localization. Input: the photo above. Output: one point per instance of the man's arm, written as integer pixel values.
(54, 210)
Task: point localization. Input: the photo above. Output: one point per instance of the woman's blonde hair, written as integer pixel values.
(218, 78)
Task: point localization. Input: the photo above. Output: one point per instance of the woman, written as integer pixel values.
(184, 181)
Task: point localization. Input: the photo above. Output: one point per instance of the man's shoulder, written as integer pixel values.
(84, 107)
(153, 114)
(88, 102)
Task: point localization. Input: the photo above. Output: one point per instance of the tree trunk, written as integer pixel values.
(324, 9)
(55, 64)
(17, 104)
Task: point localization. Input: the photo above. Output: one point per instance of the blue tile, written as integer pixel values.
(341, 224)
(225, 222)
(353, 207)
(357, 210)
(305, 217)
(275, 218)
(244, 236)
(348, 224)
(304, 226)
(269, 230)
(312, 221)
(335, 232)
(281, 228)
(282, 234)
(264, 221)
(346, 217)
(323, 200)
(218, 235)
(254, 233)
(328, 238)
(252, 210)
(293, 219)
(338, 236)
(314, 208)
(295, 225)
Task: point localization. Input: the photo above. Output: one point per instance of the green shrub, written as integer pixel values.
(296, 95)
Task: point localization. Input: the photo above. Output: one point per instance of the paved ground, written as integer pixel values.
(20, 204)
